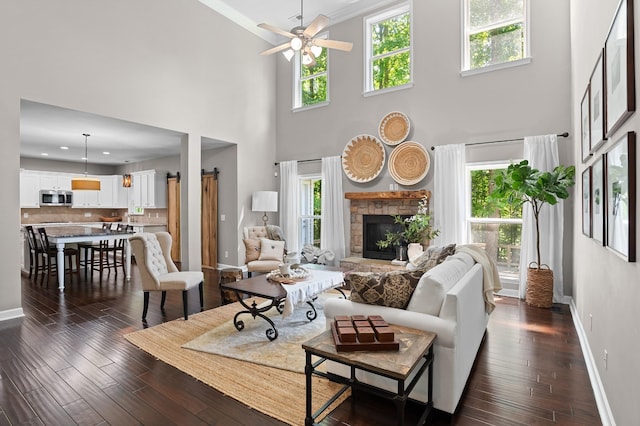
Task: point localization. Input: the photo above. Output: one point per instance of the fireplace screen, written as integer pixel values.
(374, 228)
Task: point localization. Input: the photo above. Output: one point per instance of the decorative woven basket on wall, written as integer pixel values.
(539, 287)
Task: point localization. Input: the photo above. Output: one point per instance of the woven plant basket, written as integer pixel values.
(539, 286)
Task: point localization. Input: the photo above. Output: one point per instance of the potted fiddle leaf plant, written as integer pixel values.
(521, 184)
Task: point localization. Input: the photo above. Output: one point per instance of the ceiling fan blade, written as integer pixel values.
(333, 44)
(276, 49)
(276, 30)
(316, 26)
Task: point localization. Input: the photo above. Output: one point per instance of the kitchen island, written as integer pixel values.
(61, 235)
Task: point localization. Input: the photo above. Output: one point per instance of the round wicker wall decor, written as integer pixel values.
(409, 163)
(363, 158)
(394, 128)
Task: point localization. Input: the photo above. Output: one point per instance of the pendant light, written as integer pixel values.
(85, 183)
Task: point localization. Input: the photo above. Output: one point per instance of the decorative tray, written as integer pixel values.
(295, 275)
(363, 333)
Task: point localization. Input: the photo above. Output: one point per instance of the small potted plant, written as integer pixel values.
(520, 184)
(416, 230)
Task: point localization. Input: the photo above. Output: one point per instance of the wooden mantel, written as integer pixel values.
(388, 195)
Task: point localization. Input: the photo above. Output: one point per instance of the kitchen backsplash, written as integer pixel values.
(69, 214)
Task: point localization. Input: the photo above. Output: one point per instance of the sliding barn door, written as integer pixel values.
(173, 214)
(210, 218)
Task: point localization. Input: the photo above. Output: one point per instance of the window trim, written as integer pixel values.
(465, 62)
(297, 80)
(399, 9)
(301, 178)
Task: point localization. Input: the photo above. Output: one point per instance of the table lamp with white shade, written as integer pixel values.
(264, 201)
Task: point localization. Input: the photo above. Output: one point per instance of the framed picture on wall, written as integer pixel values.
(586, 202)
(620, 68)
(620, 171)
(585, 122)
(597, 200)
(597, 114)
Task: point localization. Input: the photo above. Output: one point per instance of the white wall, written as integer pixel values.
(606, 287)
(443, 106)
(161, 63)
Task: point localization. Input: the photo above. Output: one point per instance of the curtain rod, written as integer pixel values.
(277, 163)
(563, 135)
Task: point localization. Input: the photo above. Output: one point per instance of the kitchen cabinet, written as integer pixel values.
(57, 181)
(29, 189)
(105, 198)
(149, 189)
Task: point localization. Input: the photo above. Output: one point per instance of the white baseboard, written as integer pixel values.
(11, 314)
(606, 416)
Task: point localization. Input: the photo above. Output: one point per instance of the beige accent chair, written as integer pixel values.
(158, 272)
(263, 266)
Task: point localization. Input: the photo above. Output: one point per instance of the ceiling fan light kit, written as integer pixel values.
(302, 40)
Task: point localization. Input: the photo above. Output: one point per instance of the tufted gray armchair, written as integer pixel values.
(158, 272)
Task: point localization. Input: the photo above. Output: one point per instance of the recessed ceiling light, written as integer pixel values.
(64, 147)
(44, 153)
(84, 158)
(106, 152)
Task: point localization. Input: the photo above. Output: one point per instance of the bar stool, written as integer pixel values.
(118, 247)
(36, 253)
(89, 252)
(50, 253)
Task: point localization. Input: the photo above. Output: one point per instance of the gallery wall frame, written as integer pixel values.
(586, 202)
(620, 179)
(597, 106)
(619, 70)
(585, 124)
(598, 200)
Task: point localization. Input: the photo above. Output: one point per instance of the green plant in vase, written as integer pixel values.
(415, 229)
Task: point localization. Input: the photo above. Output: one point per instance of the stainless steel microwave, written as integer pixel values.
(52, 197)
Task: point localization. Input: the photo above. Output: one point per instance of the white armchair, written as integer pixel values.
(159, 273)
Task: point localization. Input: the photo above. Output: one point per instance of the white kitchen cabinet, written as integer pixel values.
(104, 198)
(149, 189)
(29, 189)
(56, 181)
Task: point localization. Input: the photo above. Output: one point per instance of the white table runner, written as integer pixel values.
(316, 283)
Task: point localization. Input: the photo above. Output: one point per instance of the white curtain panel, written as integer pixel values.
(289, 204)
(542, 153)
(332, 206)
(448, 198)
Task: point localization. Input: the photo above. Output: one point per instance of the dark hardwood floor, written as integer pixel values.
(66, 363)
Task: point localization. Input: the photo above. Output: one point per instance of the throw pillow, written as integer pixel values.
(271, 250)
(433, 256)
(252, 249)
(393, 289)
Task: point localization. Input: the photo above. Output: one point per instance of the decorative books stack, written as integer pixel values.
(362, 333)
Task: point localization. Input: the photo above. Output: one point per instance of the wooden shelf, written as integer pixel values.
(388, 195)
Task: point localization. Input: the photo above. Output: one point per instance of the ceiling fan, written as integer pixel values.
(303, 40)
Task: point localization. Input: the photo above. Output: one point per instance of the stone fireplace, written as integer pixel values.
(378, 203)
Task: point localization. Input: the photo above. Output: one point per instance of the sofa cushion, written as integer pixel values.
(252, 249)
(271, 250)
(435, 284)
(393, 289)
(432, 256)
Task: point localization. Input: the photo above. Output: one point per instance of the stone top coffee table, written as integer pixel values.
(276, 294)
(415, 355)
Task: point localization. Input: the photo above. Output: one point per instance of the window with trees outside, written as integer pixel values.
(495, 33)
(496, 226)
(311, 82)
(310, 210)
(388, 49)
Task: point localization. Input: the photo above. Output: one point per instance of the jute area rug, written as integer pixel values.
(276, 392)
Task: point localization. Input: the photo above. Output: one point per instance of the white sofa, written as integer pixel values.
(449, 301)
